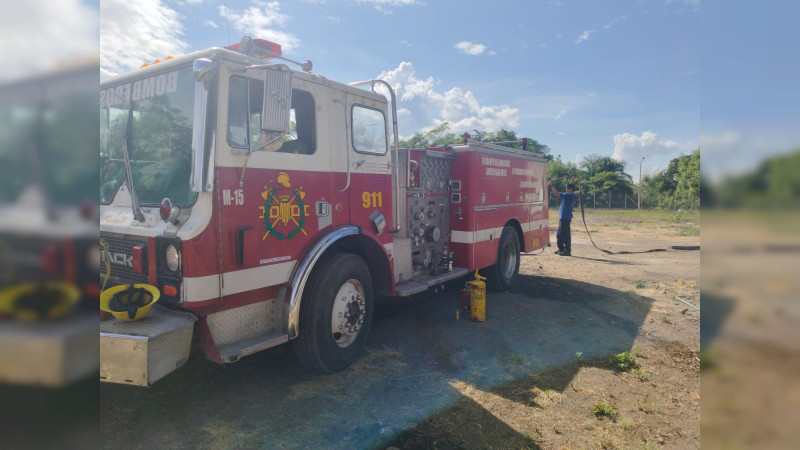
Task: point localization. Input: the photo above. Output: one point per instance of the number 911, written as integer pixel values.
(371, 199)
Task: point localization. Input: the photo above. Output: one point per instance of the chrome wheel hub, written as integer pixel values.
(508, 261)
(349, 310)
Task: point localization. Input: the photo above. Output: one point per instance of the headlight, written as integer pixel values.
(173, 258)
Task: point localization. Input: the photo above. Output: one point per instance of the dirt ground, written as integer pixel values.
(531, 376)
(656, 405)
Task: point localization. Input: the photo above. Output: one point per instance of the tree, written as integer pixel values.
(610, 184)
(504, 135)
(677, 186)
(594, 164)
(773, 184)
(441, 135)
(559, 172)
(688, 180)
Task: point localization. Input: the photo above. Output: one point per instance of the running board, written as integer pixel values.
(232, 352)
(422, 284)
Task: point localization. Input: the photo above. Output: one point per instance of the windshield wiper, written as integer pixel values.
(138, 213)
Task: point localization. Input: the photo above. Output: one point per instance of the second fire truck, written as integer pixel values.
(271, 205)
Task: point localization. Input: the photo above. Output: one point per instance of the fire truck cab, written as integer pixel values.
(269, 205)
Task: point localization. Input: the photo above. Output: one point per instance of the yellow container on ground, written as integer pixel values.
(477, 299)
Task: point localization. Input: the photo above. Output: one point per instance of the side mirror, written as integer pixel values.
(275, 115)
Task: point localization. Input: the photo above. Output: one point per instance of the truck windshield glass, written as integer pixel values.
(159, 138)
(45, 134)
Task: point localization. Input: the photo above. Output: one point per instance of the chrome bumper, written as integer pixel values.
(53, 354)
(142, 352)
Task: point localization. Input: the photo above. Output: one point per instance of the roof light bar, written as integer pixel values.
(257, 48)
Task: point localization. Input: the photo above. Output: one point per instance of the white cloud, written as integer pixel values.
(584, 36)
(558, 36)
(685, 2)
(553, 106)
(193, 1)
(631, 148)
(405, 83)
(461, 109)
(469, 48)
(402, 112)
(587, 34)
(391, 2)
(315, 2)
(210, 23)
(36, 35)
(133, 33)
(614, 22)
(383, 6)
(492, 53)
(333, 19)
(261, 20)
(542, 45)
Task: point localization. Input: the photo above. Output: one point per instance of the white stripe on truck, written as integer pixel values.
(473, 237)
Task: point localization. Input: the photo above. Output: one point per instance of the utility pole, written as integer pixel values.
(639, 203)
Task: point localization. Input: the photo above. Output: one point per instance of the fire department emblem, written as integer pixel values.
(283, 209)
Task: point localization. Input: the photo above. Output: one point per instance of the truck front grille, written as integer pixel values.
(120, 248)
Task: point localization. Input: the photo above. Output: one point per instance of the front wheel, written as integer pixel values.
(335, 314)
(503, 275)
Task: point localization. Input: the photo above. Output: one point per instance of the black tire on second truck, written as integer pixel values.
(335, 314)
(502, 276)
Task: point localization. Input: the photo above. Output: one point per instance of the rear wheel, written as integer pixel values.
(503, 275)
(335, 314)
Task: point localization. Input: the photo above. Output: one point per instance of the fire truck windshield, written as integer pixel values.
(159, 139)
(47, 137)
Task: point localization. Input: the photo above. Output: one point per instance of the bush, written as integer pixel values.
(624, 362)
(604, 409)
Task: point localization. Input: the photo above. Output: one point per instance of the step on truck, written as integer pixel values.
(271, 205)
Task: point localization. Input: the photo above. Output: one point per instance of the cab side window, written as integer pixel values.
(369, 130)
(246, 97)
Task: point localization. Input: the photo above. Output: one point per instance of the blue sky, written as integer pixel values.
(616, 78)
(619, 78)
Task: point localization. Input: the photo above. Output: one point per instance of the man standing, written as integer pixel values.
(563, 237)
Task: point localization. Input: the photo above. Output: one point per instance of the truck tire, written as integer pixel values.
(502, 276)
(335, 314)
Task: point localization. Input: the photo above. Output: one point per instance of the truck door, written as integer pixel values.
(275, 201)
(369, 164)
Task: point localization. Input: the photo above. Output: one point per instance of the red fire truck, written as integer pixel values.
(269, 205)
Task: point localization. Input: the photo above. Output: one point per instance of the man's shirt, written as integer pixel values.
(567, 200)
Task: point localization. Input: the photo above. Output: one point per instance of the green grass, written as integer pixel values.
(666, 320)
(693, 231)
(648, 407)
(642, 375)
(603, 409)
(640, 284)
(624, 362)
